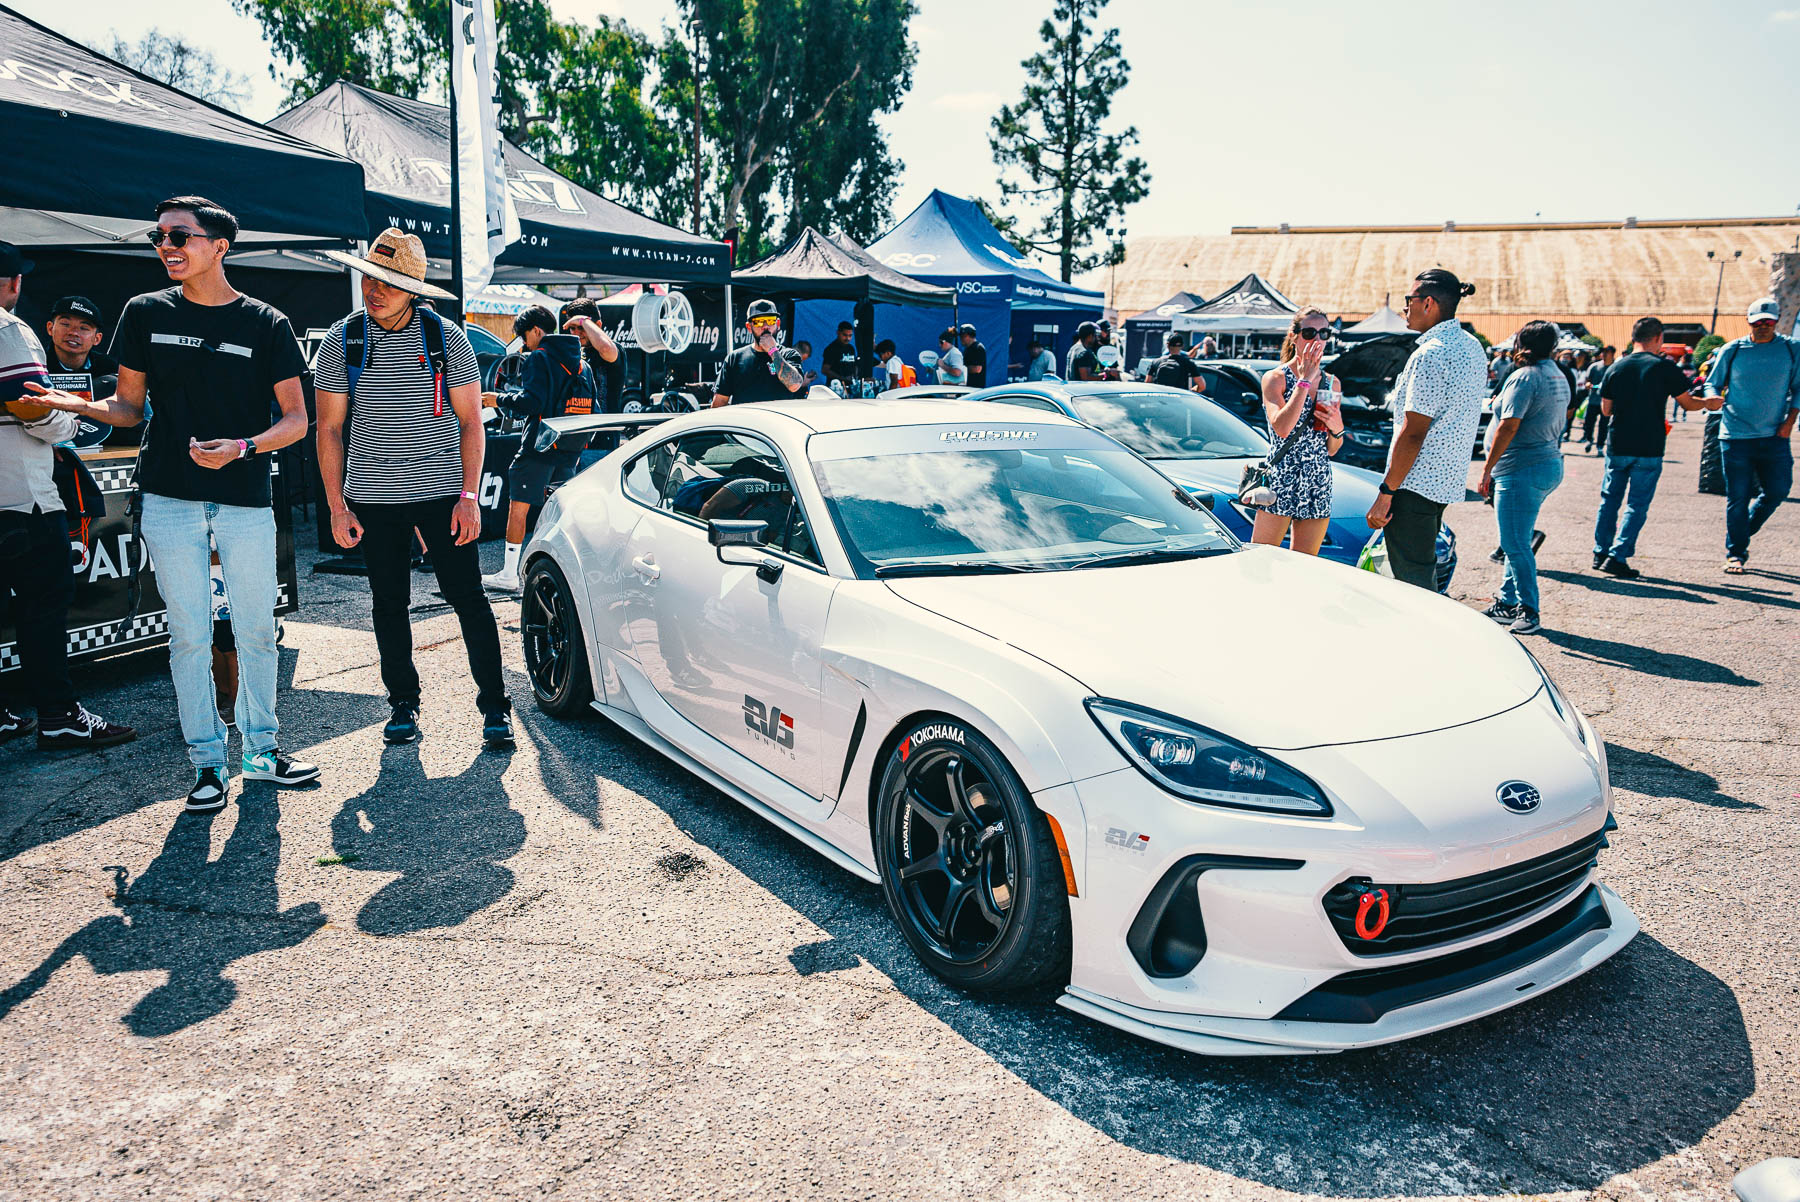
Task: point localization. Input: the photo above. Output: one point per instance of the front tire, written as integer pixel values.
(555, 652)
(968, 865)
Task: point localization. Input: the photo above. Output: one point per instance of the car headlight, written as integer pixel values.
(1202, 765)
(1564, 710)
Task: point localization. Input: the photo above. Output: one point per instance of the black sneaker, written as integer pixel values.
(13, 726)
(78, 730)
(403, 727)
(1537, 540)
(496, 729)
(273, 766)
(1502, 613)
(1497, 555)
(1599, 558)
(209, 792)
(1619, 568)
(1526, 622)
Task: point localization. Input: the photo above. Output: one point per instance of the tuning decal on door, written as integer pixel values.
(768, 722)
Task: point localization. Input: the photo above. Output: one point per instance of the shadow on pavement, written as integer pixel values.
(190, 918)
(445, 836)
(1648, 661)
(1682, 590)
(1606, 1075)
(1654, 776)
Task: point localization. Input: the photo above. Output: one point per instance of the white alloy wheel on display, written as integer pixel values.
(663, 323)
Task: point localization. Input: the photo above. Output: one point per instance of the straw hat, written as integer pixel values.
(395, 259)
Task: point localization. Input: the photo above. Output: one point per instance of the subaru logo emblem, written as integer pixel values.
(1519, 796)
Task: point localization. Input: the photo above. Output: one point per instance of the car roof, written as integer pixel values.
(1064, 389)
(824, 417)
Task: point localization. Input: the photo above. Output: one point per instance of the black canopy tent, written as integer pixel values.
(138, 141)
(1146, 333)
(816, 273)
(569, 234)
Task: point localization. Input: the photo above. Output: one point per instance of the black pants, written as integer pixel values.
(1412, 538)
(35, 573)
(387, 545)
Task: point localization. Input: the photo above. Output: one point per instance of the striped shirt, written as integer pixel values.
(397, 448)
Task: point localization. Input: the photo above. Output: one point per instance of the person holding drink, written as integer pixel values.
(1306, 422)
(763, 371)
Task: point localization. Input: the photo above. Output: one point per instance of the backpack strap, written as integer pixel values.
(356, 348)
(431, 346)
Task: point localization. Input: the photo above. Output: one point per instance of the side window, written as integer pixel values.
(723, 474)
(644, 475)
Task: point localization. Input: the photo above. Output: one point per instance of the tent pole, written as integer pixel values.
(456, 259)
(730, 330)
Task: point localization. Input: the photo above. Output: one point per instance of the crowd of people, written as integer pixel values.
(400, 443)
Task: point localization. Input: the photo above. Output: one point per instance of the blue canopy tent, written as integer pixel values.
(948, 241)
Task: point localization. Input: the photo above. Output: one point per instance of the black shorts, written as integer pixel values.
(531, 477)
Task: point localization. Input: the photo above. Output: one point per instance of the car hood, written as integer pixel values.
(1277, 649)
(1352, 488)
(1376, 359)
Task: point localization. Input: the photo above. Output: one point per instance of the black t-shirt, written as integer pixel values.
(1084, 357)
(211, 372)
(975, 360)
(609, 377)
(1639, 387)
(749, 376)
(838, 361)
(1174, 370)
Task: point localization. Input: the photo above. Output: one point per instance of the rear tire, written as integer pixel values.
(969, 868)
(555, 652)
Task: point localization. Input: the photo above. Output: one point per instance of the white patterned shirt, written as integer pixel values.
(1446, 380)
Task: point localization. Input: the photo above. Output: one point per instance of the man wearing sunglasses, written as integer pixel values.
(763, 371)
(218, 363)
(1437, 408)
(1759, 377)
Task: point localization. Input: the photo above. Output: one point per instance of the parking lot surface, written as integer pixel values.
(575, 971)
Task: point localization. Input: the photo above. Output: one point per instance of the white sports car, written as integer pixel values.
(1231, 798)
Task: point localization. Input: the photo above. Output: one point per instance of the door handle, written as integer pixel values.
(645, 566)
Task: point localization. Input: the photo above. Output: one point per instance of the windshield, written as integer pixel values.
(1170, 425)
(927, 500)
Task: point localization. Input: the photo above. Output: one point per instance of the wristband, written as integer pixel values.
(243, 449)
(469, 496)
(1303, 384)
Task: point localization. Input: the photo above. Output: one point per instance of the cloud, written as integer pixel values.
(1784, 16)
(969, 102)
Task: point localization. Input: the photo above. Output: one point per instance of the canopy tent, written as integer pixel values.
(815, 266)
(509, 300)
(948, 240)
(569, 233)
(1379, 324)
(1250, 306)
(139, 141)
(1146, 332)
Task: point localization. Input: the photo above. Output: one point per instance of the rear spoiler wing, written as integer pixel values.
(628, 425)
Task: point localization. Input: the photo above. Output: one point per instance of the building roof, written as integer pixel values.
(1628, 268)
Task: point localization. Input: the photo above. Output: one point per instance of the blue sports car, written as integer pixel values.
(1205, 448)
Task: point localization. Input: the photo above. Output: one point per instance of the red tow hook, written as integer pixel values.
(1372, 900)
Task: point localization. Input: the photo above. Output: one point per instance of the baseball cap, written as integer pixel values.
(966, 328)
(1766, 309)
(761, 308)
(1086, 328)
(76, 306)
(13, 263)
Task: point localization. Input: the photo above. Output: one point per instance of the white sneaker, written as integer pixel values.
(502, 581)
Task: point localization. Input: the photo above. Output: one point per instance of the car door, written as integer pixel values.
(732, 650)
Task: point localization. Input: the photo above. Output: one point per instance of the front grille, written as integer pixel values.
(1421, 916)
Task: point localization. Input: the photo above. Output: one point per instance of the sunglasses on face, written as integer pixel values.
(764, 323)
(1412, 299)
(1309, 333)
(1767, 321)
(176, 237)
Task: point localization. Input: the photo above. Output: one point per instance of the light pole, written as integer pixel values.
(1720, 287)
(696, 28)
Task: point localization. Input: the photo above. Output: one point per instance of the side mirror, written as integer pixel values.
(741, 543)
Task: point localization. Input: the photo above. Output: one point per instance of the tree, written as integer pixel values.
(180, 65)
(791, 110)
(1075, 174)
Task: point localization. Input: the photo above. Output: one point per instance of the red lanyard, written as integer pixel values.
(437, 385)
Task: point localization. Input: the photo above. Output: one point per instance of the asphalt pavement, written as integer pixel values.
(574, 971)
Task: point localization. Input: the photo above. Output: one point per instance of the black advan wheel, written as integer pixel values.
(555, 653)
(968, 864)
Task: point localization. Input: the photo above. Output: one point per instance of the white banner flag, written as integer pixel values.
(489, 219)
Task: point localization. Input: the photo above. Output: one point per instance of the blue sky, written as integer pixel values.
(1262, 111)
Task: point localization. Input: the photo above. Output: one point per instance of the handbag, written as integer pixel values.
(1258, 477)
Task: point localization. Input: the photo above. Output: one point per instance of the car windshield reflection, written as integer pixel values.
(1044, 499)
(1170, 425)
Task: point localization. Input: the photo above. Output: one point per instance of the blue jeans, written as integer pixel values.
(176, 532)
(1518, 496)
(1765, 465)
(1633, 474)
